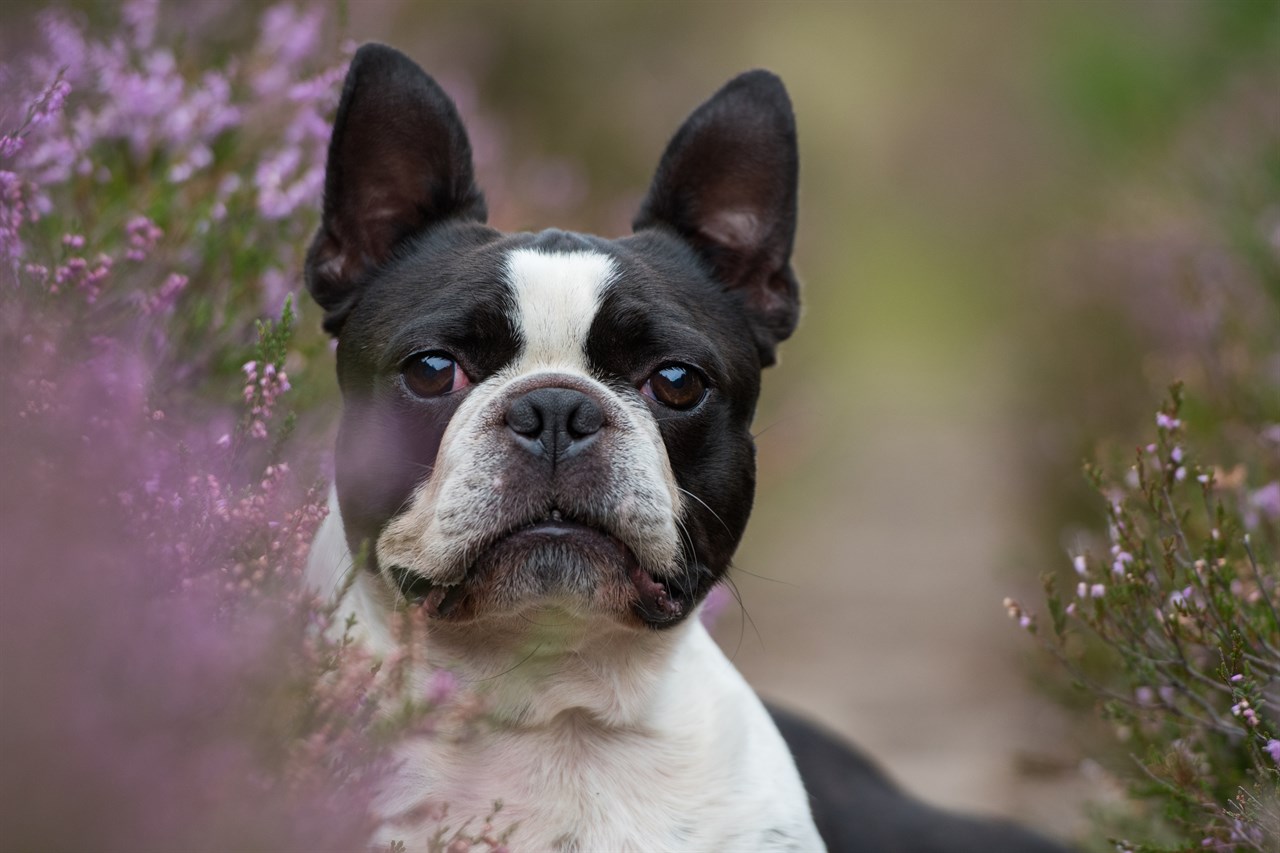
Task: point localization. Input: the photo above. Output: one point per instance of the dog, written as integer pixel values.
(545, 447)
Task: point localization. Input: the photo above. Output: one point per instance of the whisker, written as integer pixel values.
(742, 626)
(520, 663)
(765, 577)
(714, 514)
(780, 420)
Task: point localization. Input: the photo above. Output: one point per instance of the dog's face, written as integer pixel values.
(554, 418)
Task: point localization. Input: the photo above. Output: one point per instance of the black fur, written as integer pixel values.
(399, 162)
(727, 185)
(859, 810)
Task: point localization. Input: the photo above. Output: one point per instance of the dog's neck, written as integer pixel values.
(528, 667)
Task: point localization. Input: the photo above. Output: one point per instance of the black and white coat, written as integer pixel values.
(545, 445)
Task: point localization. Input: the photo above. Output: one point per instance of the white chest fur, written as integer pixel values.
(604, 743)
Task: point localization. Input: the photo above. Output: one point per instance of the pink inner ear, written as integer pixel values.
(740, 230)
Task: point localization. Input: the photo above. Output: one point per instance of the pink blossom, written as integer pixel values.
(141, 18)
(162, 301)
(143, 235)
(714, 605)
(1263, 503)
(441, 687)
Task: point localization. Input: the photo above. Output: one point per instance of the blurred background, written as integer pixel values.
(1019, 222)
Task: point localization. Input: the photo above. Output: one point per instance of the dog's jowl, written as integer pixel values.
(545, 446)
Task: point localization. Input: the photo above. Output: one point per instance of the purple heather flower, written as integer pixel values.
(1081, 566)
(1273, 748)
(141, 17)
(714, 605)
(1265, 503)
(162, 301)
(1097, 590)
(1164, 421)
(442, 686)
(66, 48)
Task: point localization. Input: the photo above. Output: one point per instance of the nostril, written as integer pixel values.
(554, 422)
(586, 419)
(524, 418)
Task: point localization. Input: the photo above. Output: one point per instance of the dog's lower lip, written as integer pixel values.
(436, 599)
(655, 602)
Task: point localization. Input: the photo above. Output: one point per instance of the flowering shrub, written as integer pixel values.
(1162, 614)
(169, 682)
(1182, 595)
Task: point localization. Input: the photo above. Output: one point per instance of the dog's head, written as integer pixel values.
(552, 418)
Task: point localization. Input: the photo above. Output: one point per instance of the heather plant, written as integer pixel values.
(170, 683)
(1163, 615)
(1171, 626)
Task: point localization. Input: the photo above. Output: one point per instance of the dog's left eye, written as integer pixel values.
(433, 374)
(676, 386)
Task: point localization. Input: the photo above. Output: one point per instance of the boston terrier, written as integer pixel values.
(545, 448)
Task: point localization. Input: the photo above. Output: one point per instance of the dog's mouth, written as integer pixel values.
(553, 554)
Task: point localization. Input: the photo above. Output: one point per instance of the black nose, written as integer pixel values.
(554, 422)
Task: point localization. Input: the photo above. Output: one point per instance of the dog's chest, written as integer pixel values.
(706, 771)
(573, 787)
(568, 787)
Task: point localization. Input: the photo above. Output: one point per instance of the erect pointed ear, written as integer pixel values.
(727, 185)
(399, 162)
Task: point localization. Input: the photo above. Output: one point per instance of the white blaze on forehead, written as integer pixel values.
(557, 295)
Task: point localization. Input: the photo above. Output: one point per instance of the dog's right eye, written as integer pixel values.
(433, 374)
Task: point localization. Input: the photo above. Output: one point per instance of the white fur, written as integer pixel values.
(605, 738)
(557, 296)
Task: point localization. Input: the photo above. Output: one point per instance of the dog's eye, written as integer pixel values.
(432, 374)
(676, 386)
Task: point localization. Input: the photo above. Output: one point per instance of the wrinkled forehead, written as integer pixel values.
(539, 301)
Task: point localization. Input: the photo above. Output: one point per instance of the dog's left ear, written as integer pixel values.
(399, 162)
(727, 185)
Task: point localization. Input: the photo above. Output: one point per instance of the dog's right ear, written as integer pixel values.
(399, 162)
